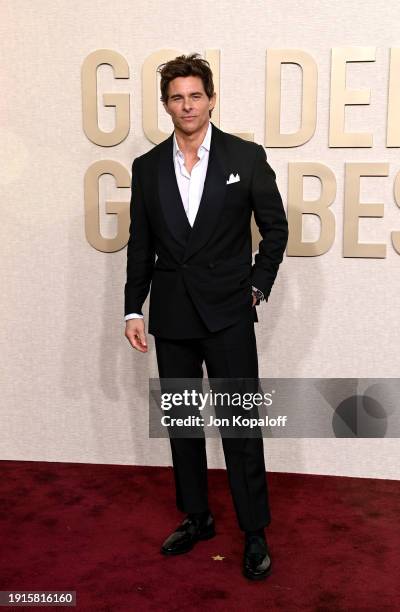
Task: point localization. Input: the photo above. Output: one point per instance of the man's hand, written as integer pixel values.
(134, 331)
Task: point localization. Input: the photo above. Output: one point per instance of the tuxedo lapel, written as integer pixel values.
(169, 195)
(212, 199)
(213, 196)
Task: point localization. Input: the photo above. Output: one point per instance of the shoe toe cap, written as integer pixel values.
(257, 560)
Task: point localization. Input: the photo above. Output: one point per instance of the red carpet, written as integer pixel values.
(97, 529)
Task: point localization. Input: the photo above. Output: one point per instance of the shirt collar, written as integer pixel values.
(205, 144)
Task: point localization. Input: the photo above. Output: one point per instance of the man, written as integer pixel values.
(192, 200)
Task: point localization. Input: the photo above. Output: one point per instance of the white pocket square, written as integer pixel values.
(233, 178)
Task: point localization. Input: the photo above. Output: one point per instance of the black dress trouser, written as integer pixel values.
(228, 353)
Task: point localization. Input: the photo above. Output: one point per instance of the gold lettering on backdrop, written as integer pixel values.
(341, 96)
(120, 101)
(297, 207)
(275, 59)
(393, 121)
(92, 206)
(396, 235)
(354, 209)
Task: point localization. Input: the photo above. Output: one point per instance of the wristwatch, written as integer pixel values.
(257, 293)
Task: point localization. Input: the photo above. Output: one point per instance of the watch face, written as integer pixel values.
(258, 294)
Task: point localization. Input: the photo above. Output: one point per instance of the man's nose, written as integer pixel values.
(187, 103)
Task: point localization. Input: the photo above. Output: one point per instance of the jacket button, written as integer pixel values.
(185, 265)
(211, 265)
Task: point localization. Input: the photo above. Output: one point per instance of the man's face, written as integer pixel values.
(188, 103)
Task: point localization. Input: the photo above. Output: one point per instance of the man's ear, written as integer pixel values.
(166, 108)
(213, 100)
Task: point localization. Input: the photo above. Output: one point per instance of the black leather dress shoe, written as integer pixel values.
(256, 559)
(190, 531)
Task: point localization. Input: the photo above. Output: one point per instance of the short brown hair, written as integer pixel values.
(183, 66)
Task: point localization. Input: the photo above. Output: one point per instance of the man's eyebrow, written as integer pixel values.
(193, 93)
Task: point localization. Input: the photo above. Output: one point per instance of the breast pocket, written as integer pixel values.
(236, 195)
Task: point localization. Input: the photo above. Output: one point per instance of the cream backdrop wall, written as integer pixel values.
(72, 388)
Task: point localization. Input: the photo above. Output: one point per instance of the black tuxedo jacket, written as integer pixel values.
(202, 277)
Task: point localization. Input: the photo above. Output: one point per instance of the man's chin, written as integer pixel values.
(189, 126)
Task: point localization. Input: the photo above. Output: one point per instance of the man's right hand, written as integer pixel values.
(134, 331)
